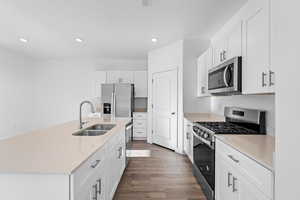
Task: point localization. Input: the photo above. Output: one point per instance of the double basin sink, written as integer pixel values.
(95, 130)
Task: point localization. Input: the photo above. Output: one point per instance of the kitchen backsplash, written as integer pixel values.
(261, 102)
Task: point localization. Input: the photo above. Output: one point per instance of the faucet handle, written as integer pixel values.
(82, 124)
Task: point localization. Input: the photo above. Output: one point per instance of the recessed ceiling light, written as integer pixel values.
(78, 40)
(154, 40)
(23, 40)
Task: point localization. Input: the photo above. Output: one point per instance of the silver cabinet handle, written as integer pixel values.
(263, 74)
(120, 152)
(271, 73)
(99, 188)
(95, 164)
(221, 57)
(224, 55)
(202, 90)
(232, 158)
(228, 179)
(95, 196)
(234, 189)
(187, 135)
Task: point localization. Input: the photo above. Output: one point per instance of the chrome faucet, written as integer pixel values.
(81, 123)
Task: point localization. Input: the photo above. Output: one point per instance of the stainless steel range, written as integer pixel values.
(237, 121)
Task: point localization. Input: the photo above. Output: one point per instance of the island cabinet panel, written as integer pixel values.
(17, 186)
(97, 178)
(115, 164)
(86, 181)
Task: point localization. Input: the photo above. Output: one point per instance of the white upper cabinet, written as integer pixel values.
(219, 51)
(248, 34)
(204, 63)
(228, 45)
(257, 74)
(99, 78)
(138, 78)
(119, 76)
(234, 41)
(141, 83)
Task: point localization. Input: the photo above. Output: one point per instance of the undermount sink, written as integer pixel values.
(95, 130)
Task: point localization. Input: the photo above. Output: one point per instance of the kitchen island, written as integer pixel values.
(54, 164)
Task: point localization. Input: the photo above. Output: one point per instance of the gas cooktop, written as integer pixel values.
(226, 128)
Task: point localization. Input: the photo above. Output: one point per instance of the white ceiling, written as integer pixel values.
(109, 28)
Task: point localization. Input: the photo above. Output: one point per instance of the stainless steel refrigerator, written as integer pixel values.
(121, 98)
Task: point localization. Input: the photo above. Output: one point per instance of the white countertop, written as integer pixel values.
(260, 148)
(54, 149)
(204, 117)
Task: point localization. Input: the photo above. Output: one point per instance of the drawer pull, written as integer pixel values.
(228, 179)
(99, 190)
(95, 195)
(232, 158)
(234, 189)
(95, 164)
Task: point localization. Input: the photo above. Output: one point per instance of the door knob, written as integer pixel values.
(173, 113)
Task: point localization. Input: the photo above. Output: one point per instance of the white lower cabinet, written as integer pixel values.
(188, 139)
(99, 176)
(139, 125)
(239, 177)
(116, 166)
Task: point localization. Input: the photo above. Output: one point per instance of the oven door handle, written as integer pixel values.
(224, 76)
(204, 141)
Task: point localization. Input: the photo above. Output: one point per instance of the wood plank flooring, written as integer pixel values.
(165, 175)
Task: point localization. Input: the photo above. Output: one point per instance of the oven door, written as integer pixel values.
(226, 78)
(204, 165)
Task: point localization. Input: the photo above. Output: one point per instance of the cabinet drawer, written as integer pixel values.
(255, 173)
(83, 175)
(139, 133)
(139, 115)
(139, 124)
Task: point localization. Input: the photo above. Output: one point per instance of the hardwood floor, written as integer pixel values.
(164, 175)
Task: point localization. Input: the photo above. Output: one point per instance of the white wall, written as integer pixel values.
(285, 47)
(60, 86)
(16, 93)
(261, 102)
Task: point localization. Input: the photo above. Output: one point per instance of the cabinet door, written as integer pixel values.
(119, 77)
(224, 180)
(141, 83)
(101, 183)
(116, 164)
(126, 77)
(248, 191)
(234, 41)
(257, 47)
(202, 75)
(190, 141)
(218, 49)
(185, 141)
(99, 78)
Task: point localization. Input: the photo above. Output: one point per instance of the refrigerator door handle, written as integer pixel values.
(112, 104)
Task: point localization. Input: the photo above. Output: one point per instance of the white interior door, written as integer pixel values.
(164, 114)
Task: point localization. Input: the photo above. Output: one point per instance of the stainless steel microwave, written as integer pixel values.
(226, 79)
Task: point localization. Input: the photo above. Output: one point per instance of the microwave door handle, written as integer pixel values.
(224, 76)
